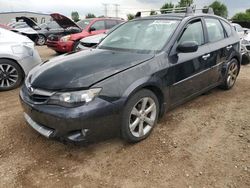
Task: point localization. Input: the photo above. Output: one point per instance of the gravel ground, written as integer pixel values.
(203, 143)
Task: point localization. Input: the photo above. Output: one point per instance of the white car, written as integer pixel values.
(17, 57)
(245, 49)
(239, 29)
(90, 42)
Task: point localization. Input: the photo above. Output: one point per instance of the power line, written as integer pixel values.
(105, 9)
(116, 9)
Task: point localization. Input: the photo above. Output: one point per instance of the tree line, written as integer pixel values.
(219, 8)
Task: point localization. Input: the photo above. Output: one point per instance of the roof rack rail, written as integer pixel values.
(187, 10)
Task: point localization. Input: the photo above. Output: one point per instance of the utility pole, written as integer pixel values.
(105, 9)
(116, 9)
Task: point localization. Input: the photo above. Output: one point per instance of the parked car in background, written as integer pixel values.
(90, 27)
(92, 41)
(61, 25)
(245, 49)
(239, 29)
(24, 29)
(143, 68)
(17, 57)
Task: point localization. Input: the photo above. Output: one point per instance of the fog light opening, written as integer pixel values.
(84, 132)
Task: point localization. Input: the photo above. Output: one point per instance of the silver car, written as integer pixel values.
(17, 57)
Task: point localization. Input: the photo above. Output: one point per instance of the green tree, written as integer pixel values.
(242, 16)
(90, 15)
(75, 16)
(185, 3)
(153, 12)
(166, 6)
(219, 8)
(130, 16)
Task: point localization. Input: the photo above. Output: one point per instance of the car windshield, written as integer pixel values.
(20, 25)
(84, 23)
(141, 36)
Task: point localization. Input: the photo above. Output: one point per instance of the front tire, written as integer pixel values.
(231, 75)
(11, 75)
(140, 116)
(76, 43)
(41, 40)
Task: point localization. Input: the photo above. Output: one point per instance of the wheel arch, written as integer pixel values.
(16, 62)
(153, 85)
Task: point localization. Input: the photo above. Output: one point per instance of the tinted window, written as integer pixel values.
(110, 24)
(99, 25)
(193, 32)
(227, 28)
(214, 29)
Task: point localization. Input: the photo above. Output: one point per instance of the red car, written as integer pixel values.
(5, 27)
(89, 27)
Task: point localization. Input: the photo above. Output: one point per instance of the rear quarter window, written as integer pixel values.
(214, 29)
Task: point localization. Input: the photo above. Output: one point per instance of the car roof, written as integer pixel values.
(180, 16)
(105, 18)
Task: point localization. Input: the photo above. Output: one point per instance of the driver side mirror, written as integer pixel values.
(92, 29)
(188, 47)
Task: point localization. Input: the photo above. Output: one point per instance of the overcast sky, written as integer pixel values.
(96, 6)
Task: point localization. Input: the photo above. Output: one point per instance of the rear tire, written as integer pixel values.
(11, 75)
(231, 75)
(139, 116)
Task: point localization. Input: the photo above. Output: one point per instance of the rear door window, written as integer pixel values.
(110, 23)
(214, 29)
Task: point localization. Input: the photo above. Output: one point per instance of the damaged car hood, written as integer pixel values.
(63, 21)
(82, 69)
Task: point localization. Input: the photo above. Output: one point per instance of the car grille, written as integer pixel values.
(38, 96)
(89, 45)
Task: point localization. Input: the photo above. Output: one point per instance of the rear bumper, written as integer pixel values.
(98, 120)
(60, 46)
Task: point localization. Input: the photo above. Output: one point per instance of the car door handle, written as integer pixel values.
(205, 57)
(229, 47)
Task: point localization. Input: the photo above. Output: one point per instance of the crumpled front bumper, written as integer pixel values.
(98, 120)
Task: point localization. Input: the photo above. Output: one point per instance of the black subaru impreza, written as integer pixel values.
(142, 69)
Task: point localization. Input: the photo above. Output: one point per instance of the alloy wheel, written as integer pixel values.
(8, 75)
(232, 74)
(142, 117)
(41, 40)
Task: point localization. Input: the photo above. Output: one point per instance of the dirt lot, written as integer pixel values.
(203, 143)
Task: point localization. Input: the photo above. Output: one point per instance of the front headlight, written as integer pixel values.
(65, 38)
(75, 98)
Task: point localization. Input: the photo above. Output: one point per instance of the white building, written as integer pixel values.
(7, 17)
